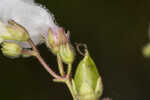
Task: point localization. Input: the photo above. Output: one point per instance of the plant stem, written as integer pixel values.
(66, 80)
(60, 65)
(45, 65)
(69, 85)
(69, 70)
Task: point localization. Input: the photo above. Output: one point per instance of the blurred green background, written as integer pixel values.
(115, 31)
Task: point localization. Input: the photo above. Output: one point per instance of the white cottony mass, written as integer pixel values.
(35, 18)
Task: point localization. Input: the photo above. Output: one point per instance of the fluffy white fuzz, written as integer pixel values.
(35, 18)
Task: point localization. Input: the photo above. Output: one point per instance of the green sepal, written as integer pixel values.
(99, 88)
(74, 87)
(66, 53)
(87, 79)
(86, 92)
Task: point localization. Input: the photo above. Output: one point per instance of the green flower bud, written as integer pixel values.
(11, 49)
(66, 53)
(146, 50)
(88, 82)
(16, 31)
(56, 38)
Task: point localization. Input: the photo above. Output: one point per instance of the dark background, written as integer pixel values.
(115, 31)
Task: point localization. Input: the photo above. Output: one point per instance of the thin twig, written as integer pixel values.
(45, 65)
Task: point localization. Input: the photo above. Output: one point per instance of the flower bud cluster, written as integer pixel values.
(39, 23)
(11, 34)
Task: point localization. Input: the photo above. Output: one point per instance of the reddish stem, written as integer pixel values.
(45, 65)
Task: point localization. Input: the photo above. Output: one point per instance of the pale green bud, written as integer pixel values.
(11, 49)
(16, 31)
(66, 53)
(56, 38)
(146, 50)
(88, 82)
(13, 31)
